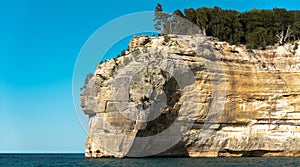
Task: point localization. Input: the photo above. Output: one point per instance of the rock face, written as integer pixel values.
(181, 95)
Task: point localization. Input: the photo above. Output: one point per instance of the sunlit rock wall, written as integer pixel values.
(181, 95)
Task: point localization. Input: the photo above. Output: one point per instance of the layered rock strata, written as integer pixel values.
(181, 95)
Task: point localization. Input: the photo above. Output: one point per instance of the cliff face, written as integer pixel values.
(181, 95)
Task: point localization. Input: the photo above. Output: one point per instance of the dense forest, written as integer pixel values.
(255, 28)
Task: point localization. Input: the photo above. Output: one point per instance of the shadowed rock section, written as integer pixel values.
(181, 95)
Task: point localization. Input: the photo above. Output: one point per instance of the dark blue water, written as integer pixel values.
(79, 160)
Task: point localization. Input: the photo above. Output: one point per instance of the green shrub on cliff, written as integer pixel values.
(255, 28)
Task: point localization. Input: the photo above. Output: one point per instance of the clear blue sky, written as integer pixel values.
(39, 44)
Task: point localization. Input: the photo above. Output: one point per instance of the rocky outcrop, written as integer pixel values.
(181, 95)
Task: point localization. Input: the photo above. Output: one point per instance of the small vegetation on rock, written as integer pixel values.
(166, 38)
(144, 99)
(295, 48)
(126, 60)
(102, 77)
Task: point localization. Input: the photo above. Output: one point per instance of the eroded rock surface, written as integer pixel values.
(181, 95)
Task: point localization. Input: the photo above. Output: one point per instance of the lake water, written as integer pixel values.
(79, 160)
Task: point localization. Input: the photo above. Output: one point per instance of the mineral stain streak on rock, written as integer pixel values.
(260, 115)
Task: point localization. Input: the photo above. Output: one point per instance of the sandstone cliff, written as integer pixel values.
(181, 95)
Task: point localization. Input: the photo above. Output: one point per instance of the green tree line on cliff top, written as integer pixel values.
(255, 28)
